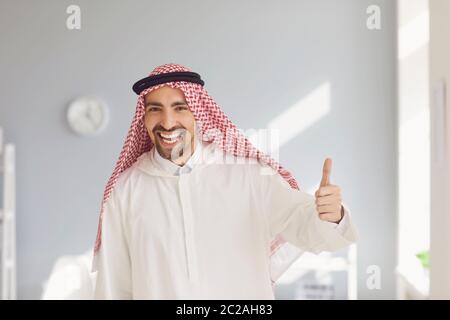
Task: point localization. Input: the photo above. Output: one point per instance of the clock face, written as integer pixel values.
(87, 115)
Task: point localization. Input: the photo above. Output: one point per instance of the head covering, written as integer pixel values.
(213, 126)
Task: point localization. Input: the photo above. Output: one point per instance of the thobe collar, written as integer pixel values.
(174, 169)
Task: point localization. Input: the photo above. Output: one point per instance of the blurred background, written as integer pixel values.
(360, 81)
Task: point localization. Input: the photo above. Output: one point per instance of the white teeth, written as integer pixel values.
(173, 136)
(170, 141)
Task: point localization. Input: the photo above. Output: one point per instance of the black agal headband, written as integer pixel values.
(151, 81)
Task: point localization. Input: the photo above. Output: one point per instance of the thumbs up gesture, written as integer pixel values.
(328, 197)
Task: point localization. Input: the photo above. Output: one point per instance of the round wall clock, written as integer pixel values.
(87, 115)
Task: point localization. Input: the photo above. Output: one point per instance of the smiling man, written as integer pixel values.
(194, 211)
(170, 124)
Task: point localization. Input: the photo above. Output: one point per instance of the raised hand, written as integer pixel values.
(328, 197)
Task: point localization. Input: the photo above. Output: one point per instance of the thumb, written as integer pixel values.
(326, 172)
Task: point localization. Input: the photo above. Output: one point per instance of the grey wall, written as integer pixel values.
(258, 58)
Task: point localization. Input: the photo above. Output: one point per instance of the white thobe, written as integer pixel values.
(203, 230)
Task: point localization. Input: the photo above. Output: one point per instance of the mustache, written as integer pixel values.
(160, 128)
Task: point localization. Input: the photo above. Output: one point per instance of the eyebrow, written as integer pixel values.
(159, 104)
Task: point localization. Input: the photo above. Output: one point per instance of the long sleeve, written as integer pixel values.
(344, 224)
(293, 214)
(113, 260)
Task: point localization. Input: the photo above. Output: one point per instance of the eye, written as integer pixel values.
(152, 109)
(181, 108)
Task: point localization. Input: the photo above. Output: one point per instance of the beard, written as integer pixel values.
(180, 150)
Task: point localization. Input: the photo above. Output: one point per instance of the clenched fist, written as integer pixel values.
(328, 197)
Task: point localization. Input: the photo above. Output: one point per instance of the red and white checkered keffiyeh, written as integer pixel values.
(214, 126)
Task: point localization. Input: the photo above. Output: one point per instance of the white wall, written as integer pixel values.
(259, 58)
(440, 205)
(413, 140)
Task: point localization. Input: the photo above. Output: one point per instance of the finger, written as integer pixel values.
(326, 173)
(331, 217)
(328, 190)
(331, 199)
(328, 208)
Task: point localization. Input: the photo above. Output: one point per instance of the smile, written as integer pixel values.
(170, 138)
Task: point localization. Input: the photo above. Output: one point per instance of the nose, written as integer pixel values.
(168, 121)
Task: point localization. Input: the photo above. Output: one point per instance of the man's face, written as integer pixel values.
(170, 124)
